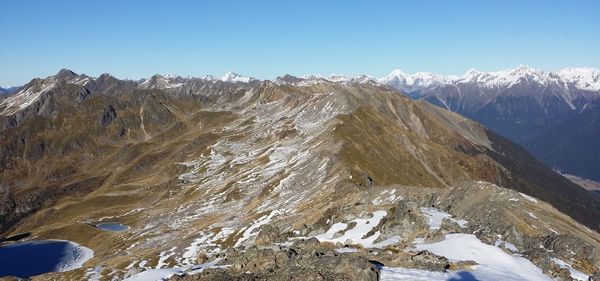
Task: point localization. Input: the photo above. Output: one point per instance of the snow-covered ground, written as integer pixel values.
(398, 273)
(386, 196)
(507, 245)
(156, 274)
(166, 273)
(492, 262)
(575, 274)
(339, 232)
(252, 230)
(357, 233)
(435, 218)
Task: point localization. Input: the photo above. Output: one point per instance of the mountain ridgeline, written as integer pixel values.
(56, 130)
(174, 157)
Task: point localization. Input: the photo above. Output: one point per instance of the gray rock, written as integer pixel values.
(269, 234)
(429, 261)
(306, 260)
(403, 219)
(449, 226)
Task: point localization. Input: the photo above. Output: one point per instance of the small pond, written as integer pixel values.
(26, 259)
(112, 226)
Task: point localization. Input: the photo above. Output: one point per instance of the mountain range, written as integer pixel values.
(7, 91)
(552, 114)
(317, 178)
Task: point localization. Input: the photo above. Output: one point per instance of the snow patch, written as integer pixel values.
(575, 274)
(356, 234)
(493, 262)
(435, 218)
(25, 97)
(205, 241)
(507, 245)
(529, 198)
(166, 273)
(400, 274)
(164, 256)
(250, 231)
(531, 215)
(156, 274)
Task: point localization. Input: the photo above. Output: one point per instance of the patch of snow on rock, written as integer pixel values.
(435, 218)
(507, 245)
(250, 231)
(492, 262)
(25, 97)
(575, 274)
(166, 273)
(356, 234)
(529, 198)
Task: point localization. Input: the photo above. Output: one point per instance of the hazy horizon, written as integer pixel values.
(263, 40)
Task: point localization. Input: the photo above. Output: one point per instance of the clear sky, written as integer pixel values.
(264, 39)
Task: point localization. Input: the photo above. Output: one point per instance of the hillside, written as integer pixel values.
(198, 167)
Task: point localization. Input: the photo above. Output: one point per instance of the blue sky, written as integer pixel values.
(265, 39)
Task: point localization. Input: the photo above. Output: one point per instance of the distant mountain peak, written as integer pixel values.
(65, 74)
(158, 81)
(335, 77)
(289, 79)
(234, 77)
(397, 72)
(412, 82)
(580, 78)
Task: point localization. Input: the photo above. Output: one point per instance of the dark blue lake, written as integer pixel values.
(112, 226)
(32, 258)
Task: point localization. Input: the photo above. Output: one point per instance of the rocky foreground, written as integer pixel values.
(280, 255)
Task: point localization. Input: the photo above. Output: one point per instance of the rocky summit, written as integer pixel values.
(235, 178)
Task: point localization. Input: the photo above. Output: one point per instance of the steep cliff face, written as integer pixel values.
(199, 165)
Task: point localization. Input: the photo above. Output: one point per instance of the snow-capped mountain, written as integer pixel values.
(30, 93)
(312, 79)
(581, 78)
(578, 78)
(522, 104)
(234, 77)
(409, 83)
(163, 82)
